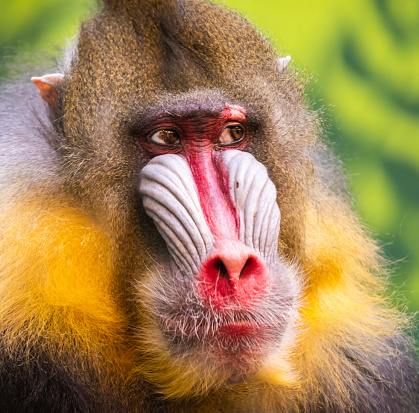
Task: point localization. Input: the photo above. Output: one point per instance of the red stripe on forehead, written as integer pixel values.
(235, 113)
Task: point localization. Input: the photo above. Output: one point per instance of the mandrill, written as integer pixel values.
(176, 238)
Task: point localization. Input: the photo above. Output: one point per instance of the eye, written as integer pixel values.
(231, 134)
(165, 137)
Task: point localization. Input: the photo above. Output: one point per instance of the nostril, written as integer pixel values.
(232, 273)
(233, 268)
(221, 268)
(222, 271)
(246, 266)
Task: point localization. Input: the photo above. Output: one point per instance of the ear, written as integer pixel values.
(49, 87)
(283, 63)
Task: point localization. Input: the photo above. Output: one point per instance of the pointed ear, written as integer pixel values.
(49, 87)
(283, 63)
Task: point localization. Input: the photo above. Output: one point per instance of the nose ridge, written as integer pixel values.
(232, 272)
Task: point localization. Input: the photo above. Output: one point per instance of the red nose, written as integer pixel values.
(232, 273)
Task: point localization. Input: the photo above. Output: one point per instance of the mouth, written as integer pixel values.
(240, 329)
(220, 335)
(237, 348)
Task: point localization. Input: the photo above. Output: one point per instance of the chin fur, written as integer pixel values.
(191, 347)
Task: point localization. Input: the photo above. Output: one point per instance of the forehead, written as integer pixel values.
(200, 104)
(188, 45)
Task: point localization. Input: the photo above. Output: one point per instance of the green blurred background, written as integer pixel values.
(362, 59)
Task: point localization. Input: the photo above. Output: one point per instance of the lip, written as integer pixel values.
(236, 329)
(240, 328)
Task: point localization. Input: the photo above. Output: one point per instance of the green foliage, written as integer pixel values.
(37, 29)
(363, 60)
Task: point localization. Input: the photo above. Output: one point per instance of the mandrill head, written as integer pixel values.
(238, 272)
(179, 127)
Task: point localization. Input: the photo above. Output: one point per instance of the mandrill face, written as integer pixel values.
(223, 300)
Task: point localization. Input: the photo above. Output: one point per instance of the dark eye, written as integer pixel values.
(231, 134)
(165, 137)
